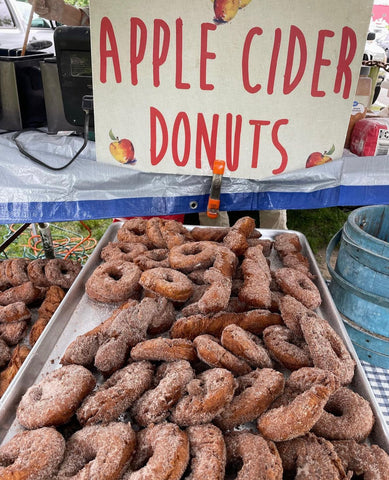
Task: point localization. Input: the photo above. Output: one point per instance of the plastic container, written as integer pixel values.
(370, 137)
(361, 102)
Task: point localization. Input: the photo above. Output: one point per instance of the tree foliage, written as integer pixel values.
(78, 3)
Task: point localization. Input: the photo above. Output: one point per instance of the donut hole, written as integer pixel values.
(334, 410)
(233, 467)
(116, 275)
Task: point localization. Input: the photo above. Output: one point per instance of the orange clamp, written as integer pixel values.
(214, 196)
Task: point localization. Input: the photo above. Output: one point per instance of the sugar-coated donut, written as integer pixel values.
(291, 311)
(153, 259)
(36, 272)
(346, 416)
(206, 396)
(298, 285)
(168, 283)
(298, 417)
(311, 457)
(255, 393)
(32, 455)
(113, 282)
(326, 347)
(192, 256)
(134, 231)
(169, 383)
(286, 243)
(27, 293)
(259, 458)
(210, 351)
(125, 252)
(288, 349)
(62, 272)
(162, 453)
(164, 349)
(255, 321)
(55, 399)
(14, 312)
(207, 452)
(16, 271)
(370, 461)
(116, 394)
(246, 345)
(236, 238)
(98, 452)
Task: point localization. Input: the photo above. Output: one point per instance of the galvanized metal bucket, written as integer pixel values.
(360, 281)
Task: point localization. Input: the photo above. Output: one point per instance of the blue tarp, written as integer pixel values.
(91, 190)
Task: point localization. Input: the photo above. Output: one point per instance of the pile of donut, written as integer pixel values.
(27, 285)
(213, 364)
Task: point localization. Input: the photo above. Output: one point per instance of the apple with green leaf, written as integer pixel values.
(122, 150)
(317, 158)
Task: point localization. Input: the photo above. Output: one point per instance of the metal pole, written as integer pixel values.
(47, 241)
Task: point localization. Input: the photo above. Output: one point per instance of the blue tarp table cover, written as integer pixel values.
(91, 190)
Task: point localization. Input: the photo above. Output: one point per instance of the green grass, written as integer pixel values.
(318, 225)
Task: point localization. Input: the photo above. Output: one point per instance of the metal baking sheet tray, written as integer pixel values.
(78, 314)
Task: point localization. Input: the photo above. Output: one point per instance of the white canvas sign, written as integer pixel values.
(267, 87)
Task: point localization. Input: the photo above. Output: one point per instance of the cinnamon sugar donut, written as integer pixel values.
(62, 272)
(370, 461)
(297, 284)
(259, 458)
(174, 233)
(236, 238)
(326, 347)
(169, 384)
(210, 351)
(36, 272)
(161, 314)
(158, 258)
(207, 451)
(168, 283)
(286, 243)
(98, 452)
(55, 399)
(211, 234)
(311, 458)
(291, 311)
(125, 252)
(13, 332)
(206, 396)
(116, 394)
(192, 256)
(164, 349)
(113, 282)
(298, 261)
(14, 312)
(298, 417)
(134, 231)
(253, 396)
(289, 350)
(255, 290)
(16, 271)
(32, 455)
(154, 234)
(346, 416)
(162, 453)
(26, 293)
(255, 321)
(246, 345)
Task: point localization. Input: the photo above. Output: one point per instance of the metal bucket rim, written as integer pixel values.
(353, 224)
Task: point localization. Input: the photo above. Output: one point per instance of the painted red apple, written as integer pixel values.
(122, 150)
(317, 158)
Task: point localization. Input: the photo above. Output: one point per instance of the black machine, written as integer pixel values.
(74, 62)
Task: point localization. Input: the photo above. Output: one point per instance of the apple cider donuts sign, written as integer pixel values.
(266, 86)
